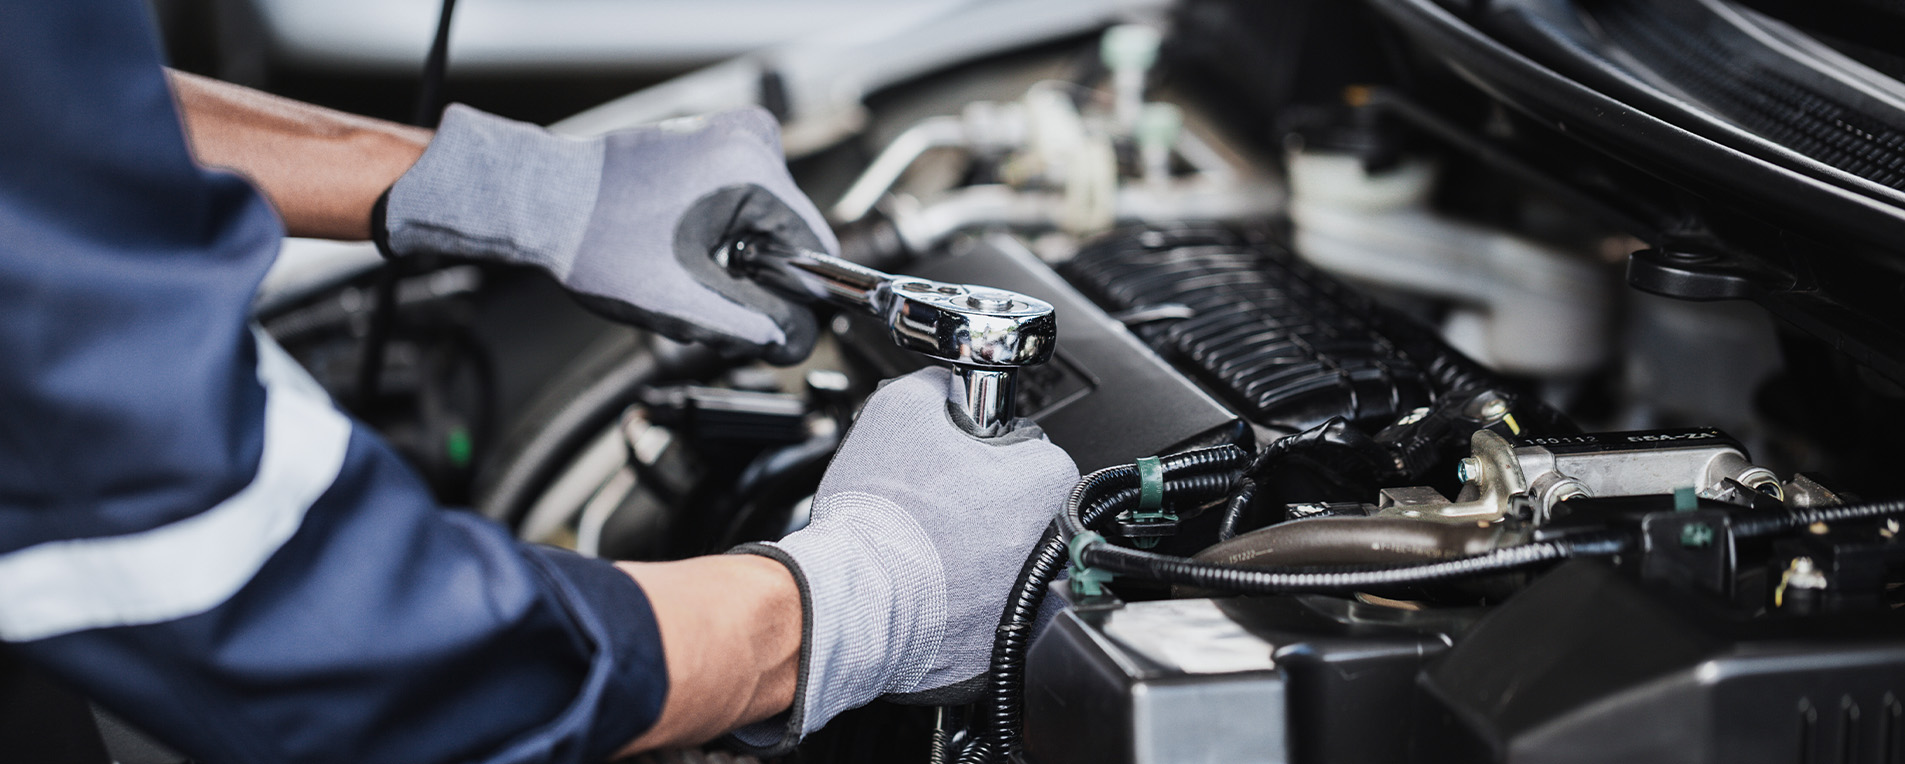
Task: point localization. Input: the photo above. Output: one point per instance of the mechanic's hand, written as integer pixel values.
(918, 531)
(626, 221)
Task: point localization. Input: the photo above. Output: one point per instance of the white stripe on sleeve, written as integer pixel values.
(193, 565)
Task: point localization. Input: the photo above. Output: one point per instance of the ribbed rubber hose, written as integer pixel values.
(1090, 501)
(1803, 516)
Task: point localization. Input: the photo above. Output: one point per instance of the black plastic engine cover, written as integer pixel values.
(1289, 345)
(1314, 680)
(1588, 665)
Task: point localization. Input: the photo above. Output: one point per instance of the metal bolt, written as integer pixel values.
(1468, 470)
(1570, 490)
(1494, 408)
(1770, 487)
(1805, 574)
(988, 302)
(1801, 573)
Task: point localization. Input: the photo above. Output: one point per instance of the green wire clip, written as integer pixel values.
(1089, 582)
(1150, 498)
(1150, 484)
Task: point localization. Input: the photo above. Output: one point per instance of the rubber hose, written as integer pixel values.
(1204, 575)
(1247, 491)
(1087, 490)
(979, 751)
(1270, 454)
(1356, 541)
(1201, 488)
(1203, 461)
(1093, 498)
(1005, 680)
(1800, 517)
(1234, 511)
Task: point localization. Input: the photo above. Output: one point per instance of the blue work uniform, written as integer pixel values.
(191, 532)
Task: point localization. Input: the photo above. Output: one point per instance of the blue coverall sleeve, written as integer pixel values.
(190, 531)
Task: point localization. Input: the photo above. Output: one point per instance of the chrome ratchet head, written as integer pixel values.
(972, 326)
(984, 334)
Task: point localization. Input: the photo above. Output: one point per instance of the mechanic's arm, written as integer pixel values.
(727, 666)
(322, 169)
(625, 221)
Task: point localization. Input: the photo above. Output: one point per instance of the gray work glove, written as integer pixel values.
(626, 221)
(919, 529)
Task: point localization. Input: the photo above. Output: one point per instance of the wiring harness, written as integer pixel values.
(1195, 476)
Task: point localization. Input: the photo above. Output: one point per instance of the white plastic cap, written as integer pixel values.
(1129, 46)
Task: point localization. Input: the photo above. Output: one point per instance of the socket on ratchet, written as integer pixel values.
(984, 334)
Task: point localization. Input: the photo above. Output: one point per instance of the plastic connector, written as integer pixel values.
(1087, 581)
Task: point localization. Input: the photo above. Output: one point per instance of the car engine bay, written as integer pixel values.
(1508, 381)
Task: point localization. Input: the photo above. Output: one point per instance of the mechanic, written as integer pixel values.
(195, 536)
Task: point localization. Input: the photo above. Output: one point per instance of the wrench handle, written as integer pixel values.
(807, 275)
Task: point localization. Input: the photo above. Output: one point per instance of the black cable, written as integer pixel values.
(979, 751)
(939, 746)
(1195, 473)
(1800, 517)
(1247, 488)
(1229, 578)
(383, 319)
(430, 96)
(1234, 511)
(383, 315)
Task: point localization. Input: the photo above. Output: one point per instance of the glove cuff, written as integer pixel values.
(379, 228)
(495, 188)
(873, 610)
(779, 734)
